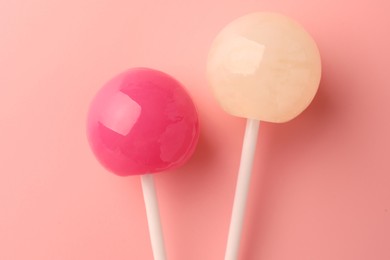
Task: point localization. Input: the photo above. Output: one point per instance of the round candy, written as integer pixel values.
(142, 121)
(264, 66)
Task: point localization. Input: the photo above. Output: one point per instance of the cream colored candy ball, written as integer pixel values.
(264, 66)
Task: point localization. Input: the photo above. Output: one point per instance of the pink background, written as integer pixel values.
(321, 184)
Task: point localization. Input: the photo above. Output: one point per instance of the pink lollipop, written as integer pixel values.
(143, 122)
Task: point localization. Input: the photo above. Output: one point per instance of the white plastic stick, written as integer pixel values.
(242, 187)
(153, 216)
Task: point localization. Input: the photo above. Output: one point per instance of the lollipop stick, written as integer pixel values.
(153, 216)
(242, 187)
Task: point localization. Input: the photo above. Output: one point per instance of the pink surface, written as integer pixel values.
(142, 121)
(321, 186)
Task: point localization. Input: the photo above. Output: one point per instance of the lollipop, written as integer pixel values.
(262, 66)
(143, 122)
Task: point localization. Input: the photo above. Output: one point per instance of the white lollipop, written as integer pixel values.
(262, 66)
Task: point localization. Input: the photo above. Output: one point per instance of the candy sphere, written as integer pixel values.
(142, 121)
(264, 66)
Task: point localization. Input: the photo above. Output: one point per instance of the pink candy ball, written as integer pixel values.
(142, 121)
